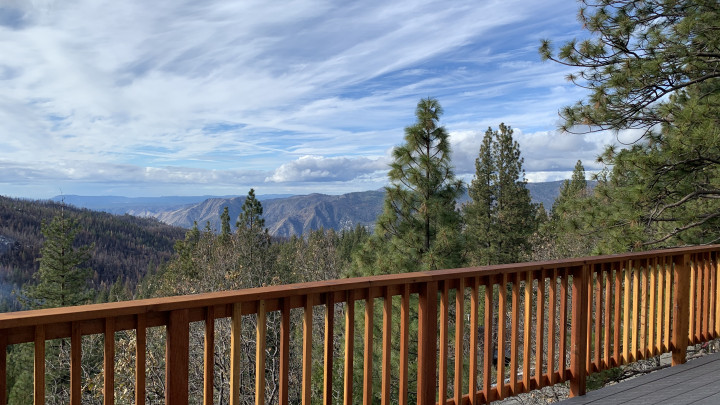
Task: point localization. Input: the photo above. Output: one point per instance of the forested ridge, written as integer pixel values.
(124, 247)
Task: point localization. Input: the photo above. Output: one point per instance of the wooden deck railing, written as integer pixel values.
(544, 323)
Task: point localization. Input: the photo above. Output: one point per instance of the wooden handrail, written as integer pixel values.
(526, 326)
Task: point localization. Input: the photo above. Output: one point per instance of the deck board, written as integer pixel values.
(695, 382)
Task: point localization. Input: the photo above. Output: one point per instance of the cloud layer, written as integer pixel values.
(183, 96)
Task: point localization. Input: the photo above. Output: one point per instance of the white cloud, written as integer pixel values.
(322, 169)
(179, 92)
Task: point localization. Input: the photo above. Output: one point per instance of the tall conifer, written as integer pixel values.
(419, 226)
(61, 280)
(500, 217)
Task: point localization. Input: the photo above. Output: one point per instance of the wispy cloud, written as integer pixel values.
(301, 93)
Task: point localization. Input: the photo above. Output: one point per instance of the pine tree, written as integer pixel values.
(252, 244)
(565, 234)
(225, 226)
(419, 226)
(251, 215)
(60, 280)
(638, 53)
(651, 65)
(480, 230)
(571, 190)
(500, 218)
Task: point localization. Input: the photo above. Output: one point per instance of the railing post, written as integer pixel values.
(177, 358)
(427, 343)
(109, 362)
(75, 364)
(578, 333)
(235, 352)
(681, 308)
(39, 368)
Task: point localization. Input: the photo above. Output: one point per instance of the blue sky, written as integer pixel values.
(141, 98)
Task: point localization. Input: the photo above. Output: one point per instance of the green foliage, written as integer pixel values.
(565, 234)
(125, 246)
(419, 226)
(655, 66)
(251, 215)
(666, 192)
(225, 225)
(60, 280)
(351, 240)
(500, 217)
(598, 380)
(638, 53)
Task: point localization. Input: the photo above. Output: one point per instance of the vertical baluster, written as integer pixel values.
(607, 273)
(442, 376)
(75, 364)
(588, 325)
(284, 390)
(652, 313)
(681, 300)
(260, 332)
(540, 330)
(706, 313)
(626, 314)
(3, 369)
(514, 333)
(109, 364)
(716, 289)
(635, 310)
(617, 331)
(427, 343)
(472, 378)
(526, 330)
(598, 316)
(580, 317)
(140, 359)
(668, 299)
(699, 276)
(387, 347)
(235, 353)
(177, 357)
(643, 309)
(713, 296)
(368, 360)
(693, 302)
(661, 305)
(488, 283)
(459, 329)
(502, 314)
(284, 351)
(329, 348)
(307, 350)
(404, 343)
(562, 351)
(552, 305)
(209, 356)
(39, 369)
(349, 346)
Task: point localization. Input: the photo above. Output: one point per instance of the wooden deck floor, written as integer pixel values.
(695, 382)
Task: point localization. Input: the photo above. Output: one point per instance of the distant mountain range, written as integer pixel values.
(140, 206)
(284, 215)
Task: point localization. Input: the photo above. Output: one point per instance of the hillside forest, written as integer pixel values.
(650, 66)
